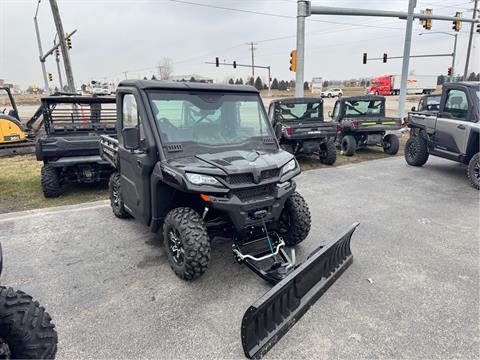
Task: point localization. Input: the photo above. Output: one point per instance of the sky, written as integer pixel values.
(118, 36)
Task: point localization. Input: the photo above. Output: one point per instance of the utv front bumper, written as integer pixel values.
(241, 204)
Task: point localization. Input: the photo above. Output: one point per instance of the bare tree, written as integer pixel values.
(165, 68)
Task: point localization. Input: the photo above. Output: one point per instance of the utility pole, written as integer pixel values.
(63, 46)
(252, 49)
(57, 59)
(470, 41)
(406, 58)
(39, 41)
(302, 12)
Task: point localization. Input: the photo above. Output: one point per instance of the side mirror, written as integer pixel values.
(413, 108)
(278, 131)
(131, 138)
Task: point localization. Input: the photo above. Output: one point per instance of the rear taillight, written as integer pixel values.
(288, 130)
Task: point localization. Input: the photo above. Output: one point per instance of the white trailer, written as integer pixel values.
(416, 84)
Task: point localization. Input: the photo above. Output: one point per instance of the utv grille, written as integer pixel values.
(240, 179)
(255, 193)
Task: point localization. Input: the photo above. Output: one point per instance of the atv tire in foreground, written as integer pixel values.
(416, 151)
(295, 220)
(391, 144)
(328, 153)
(187, 243)
(50, 181)
(116, 200)
(473, 171)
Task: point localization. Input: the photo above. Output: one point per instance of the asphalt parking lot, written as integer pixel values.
(412, 291)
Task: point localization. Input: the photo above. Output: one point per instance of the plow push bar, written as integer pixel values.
(271, 316)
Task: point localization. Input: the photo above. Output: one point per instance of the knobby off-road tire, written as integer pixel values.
(187, 243)
(295, 220)
(116, 199)
(416, 151)
(473, 171)
(26, 329)
(50, 181)
(391, 145)
(348, 145)
(328, 153)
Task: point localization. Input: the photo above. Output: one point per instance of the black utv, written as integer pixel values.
(301, 129)
(363, 123)
(69, 149)
(199, 161)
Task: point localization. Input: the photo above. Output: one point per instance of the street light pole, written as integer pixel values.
(470, 40)
(39, 41)
(454, 54)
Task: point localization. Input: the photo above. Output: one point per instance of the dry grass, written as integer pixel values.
(20, 187)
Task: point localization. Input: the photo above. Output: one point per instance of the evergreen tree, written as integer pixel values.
(274, 84)
(305, 86)
(192, 79)
(153, 77)
(258, 83)
(240, 81)
(472, 76)
(282, 85)
(231, 82)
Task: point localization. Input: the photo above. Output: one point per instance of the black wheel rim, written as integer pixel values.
(116, 196)
(175, 247)
(476, 170)
(5, 352)
(412, 149)
(284, 222)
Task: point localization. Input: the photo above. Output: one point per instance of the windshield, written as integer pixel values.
(364, 107)
(292, 112)
(210, 118)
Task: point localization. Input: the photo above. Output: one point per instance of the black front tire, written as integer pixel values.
(50, 181)
(416, 151)
(473, 171)
(295, 220)
(26, 329)
(116, 199)
(391, 145)
(187, 243)
(328, 153)
(348, 145)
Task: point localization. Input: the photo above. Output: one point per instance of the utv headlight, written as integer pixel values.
(290, 166)
(199, 179)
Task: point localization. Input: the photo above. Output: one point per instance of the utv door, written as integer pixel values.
(135, 164)
(451, 127)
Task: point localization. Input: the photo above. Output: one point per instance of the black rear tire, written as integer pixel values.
(50, 181)
(187, 243)
(295, 220)
(348, 145)
(416, 151)
(391, 145)
(473, 171)
(26, 329)
(328, 153)
(116, 199)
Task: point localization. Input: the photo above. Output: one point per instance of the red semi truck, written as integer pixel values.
(390, 85)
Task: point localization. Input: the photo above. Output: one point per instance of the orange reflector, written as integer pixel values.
(205, 197)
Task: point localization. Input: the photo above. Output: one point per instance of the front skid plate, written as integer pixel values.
(271, 316)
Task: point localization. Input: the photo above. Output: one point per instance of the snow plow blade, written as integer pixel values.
(274, 314)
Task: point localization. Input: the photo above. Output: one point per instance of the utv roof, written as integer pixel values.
(180, 85)
(466, 83)
(362, 97)
(297, 100)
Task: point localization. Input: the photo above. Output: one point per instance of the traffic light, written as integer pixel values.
(57, 52)
(68, 41)
(457, 24)
(364, 58)
(385, 58)
(478, 28)
(428, 22)
(449, 72)
(234, 64)
(50, 77)
(293, 60)
(217, 62)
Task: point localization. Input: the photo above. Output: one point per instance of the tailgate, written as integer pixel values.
(308, 130)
